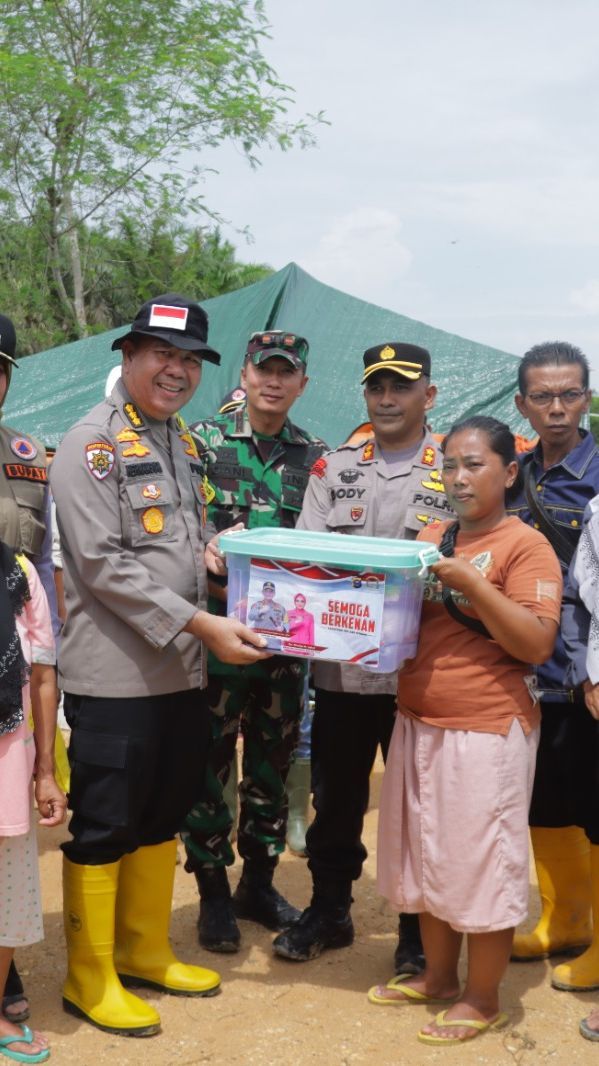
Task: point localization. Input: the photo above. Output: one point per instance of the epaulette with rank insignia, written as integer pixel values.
(133, 416)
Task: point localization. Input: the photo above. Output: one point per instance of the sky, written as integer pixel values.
(458, 180)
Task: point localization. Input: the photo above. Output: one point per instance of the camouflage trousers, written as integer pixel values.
(268, 710)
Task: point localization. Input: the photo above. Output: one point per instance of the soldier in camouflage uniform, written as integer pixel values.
(256, 465)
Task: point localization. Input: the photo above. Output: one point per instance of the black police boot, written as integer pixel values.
(256, 900)
(217, 928)
(326, 923)
(409, 956)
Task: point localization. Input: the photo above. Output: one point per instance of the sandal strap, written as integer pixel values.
(463, 1023)
(395, 985)
(26, 1037)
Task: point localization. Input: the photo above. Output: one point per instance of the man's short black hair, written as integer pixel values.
(552, 353)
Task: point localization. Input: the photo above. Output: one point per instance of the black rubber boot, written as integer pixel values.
(409, 956)
(256, 899)
(217, 928)
(326, 923)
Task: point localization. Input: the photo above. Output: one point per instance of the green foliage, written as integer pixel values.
(125, 265)
(99, 99)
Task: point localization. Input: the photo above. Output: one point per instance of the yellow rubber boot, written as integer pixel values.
(143, 954)
(562, 860)
(92, 989)
(582, 974)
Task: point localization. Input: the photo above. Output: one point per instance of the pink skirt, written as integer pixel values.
(453, 824)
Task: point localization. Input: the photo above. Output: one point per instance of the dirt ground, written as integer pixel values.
(277, 1013)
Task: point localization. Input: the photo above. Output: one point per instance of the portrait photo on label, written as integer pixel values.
(313, 611)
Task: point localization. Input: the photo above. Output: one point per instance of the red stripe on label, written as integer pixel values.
(169, 312)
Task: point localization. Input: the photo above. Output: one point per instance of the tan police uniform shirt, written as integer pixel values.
(129, 502)
(353, 490)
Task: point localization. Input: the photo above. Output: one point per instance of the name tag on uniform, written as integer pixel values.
(19, 472)
(143, 469)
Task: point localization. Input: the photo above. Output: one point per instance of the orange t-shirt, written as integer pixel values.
(460, 679)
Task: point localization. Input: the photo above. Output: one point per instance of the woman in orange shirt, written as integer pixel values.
(453, 828)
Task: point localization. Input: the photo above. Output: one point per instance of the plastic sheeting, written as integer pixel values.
(51, 390)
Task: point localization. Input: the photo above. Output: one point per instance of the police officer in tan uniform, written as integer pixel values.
(129, 498)
(388, 486)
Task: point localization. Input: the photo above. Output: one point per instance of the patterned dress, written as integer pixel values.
(20, 909)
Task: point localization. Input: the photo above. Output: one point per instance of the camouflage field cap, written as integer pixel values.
(262, 346)
(409, 360)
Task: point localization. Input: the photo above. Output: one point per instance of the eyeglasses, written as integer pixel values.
(569, 397)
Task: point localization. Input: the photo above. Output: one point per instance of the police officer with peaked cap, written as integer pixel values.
(132, 665)
(387, 486)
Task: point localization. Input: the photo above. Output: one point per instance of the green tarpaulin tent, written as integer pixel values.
(51, 390)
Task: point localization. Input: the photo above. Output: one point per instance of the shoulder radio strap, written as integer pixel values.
(558, 540)
(447, 548)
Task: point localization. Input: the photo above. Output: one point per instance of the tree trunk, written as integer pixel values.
(76, 269)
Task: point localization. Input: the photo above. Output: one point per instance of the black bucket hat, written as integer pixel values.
(175, 319)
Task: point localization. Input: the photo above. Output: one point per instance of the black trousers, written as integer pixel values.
(566, 787)
(346, 732)
(136, 768)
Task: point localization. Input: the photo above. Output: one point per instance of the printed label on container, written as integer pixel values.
(316, 611)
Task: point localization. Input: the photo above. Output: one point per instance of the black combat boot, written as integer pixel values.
(256, 899)
(217, 928)
(326, 923)
(409, 956)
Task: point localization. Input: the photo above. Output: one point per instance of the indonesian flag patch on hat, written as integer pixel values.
(175, 319)
(164, 317)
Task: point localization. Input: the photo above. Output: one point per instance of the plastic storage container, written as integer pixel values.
(362, 596)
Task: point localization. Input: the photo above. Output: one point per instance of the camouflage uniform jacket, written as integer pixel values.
(240, 487)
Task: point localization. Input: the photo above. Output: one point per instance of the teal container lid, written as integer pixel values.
(306, 546)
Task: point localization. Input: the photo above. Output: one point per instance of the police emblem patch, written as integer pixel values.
(135, 450)
(387, 353)
(25, 449)
(100, 459)
(428, 456)
(368, 452)
(349, 476)
(126, 436)
(151, 492)
(153, 520)
(356, 513)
